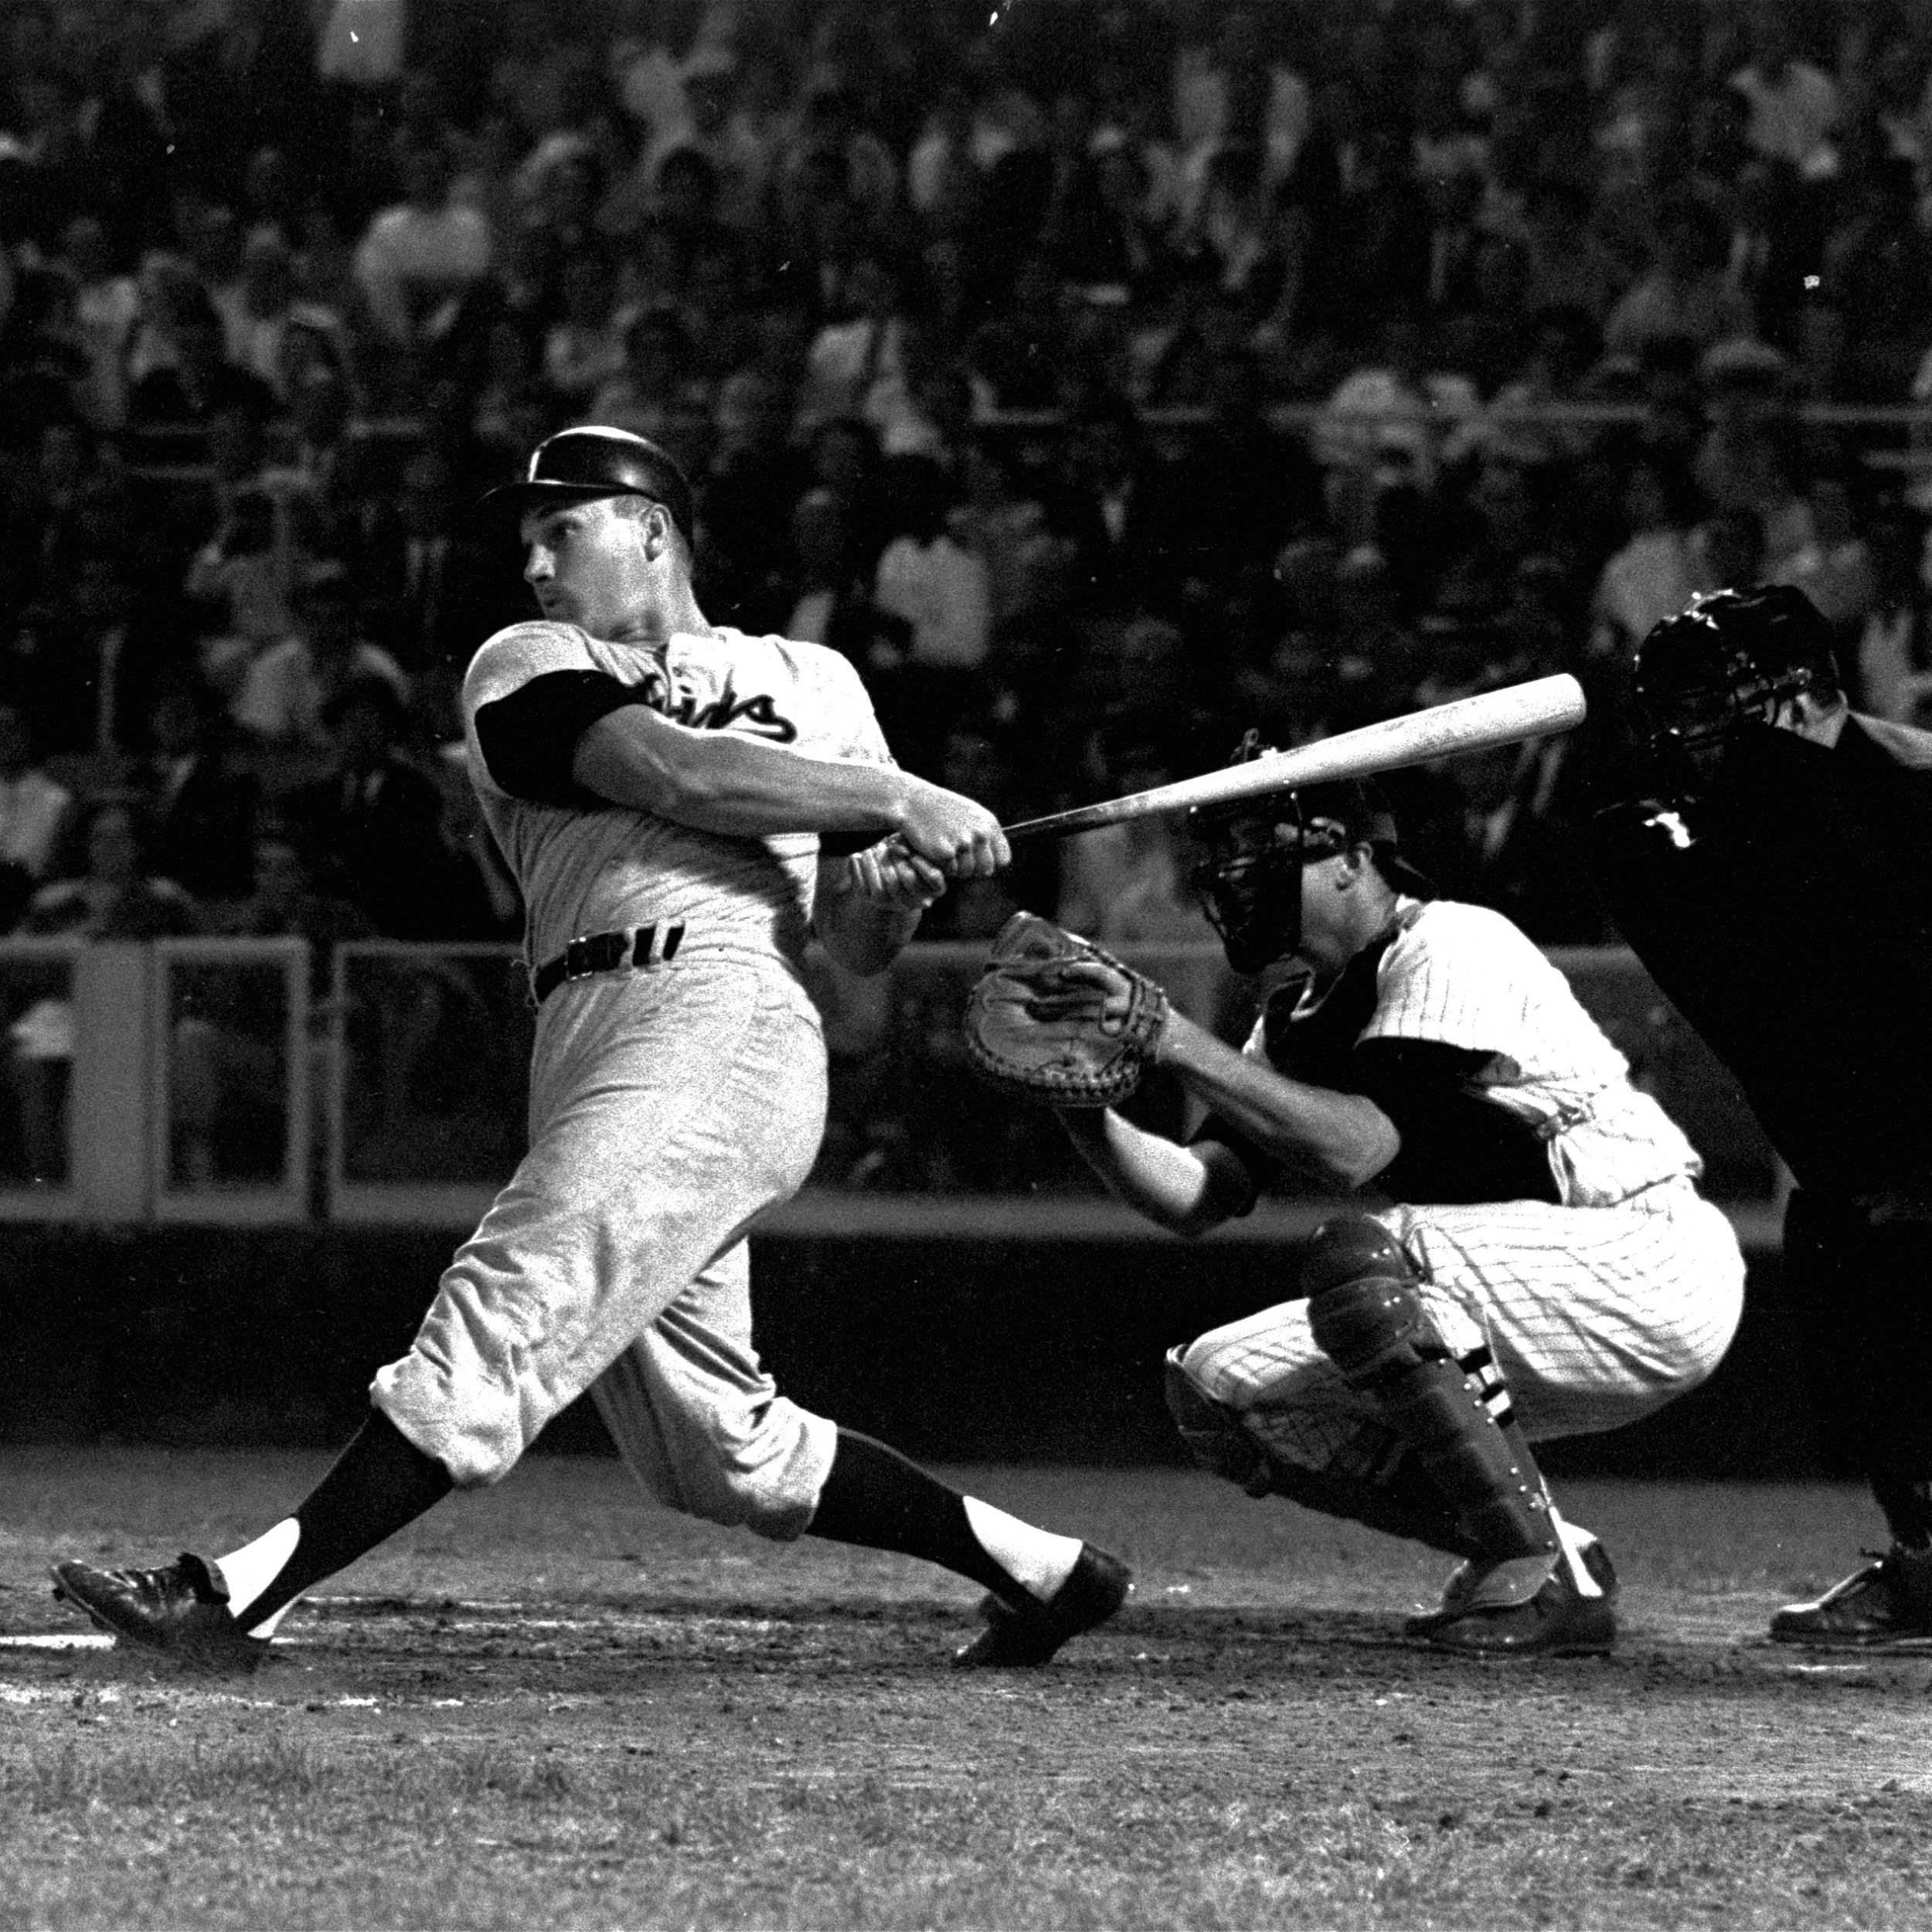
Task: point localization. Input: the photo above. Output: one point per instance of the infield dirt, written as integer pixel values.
(552, 1706)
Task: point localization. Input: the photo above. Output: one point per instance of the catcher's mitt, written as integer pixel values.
(1052, 1018)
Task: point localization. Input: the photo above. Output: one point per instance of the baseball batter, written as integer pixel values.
(1767, 863)
(1532, 1258)
(682, 805)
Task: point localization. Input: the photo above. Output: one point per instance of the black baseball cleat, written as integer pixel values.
(1887, 1601)
(180, 1611)
(1555, 1620)
(1095, 1587)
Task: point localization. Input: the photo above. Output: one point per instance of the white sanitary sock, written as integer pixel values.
(1038, 1559)
(250, 1570)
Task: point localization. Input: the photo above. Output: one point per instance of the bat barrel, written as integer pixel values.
(1534, 709)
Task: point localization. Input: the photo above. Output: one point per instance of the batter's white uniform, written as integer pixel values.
(670, 1105)
(1598, 1307)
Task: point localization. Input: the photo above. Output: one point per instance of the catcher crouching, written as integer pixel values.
(1526, 1256)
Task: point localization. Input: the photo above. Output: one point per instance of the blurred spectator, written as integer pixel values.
(418, 256)
(37, 815)
(283, 696)
(1684, 291)
(1877, 272)
(1793, 105)
(1890, 661)
(426, 582)
(656, 391)
(755, 474)
(1111, 501)
(1018, 350)
(375, 822)
(826, 597)
(851, 357)
(242, 575)
(1776, 249)
(1379, 429)
(1727, 549)
(202, 799)
(584, 349)
(1650, 577)
(1833, 565)
(117, 896)
(105, 306)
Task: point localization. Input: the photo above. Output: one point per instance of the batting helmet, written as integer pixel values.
(1729, 659)
(592, 460)
(1249, 875)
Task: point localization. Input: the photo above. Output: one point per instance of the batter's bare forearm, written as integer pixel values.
(1341, 1139)
(718, 781)
(1181, 1188)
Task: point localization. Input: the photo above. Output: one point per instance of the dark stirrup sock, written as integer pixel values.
(876, 1496)
(380, 1482)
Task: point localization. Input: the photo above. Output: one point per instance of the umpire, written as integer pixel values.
(1768, 866)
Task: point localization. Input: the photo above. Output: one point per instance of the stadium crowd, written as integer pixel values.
(1101, 378)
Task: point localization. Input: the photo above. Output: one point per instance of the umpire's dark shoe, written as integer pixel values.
(180, 1611)
(1555, 1620)
(1888, 1601)
(1018, 1639)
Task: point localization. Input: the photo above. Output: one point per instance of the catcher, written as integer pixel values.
(1529, 1257)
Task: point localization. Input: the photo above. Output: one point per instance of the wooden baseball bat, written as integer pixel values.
(1465, 725)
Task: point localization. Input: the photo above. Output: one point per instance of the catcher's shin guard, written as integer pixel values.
(1369, 1319)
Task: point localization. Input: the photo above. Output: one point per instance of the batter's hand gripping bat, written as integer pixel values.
(1492, 718)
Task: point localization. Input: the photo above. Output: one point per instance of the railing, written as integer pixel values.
(207, 1080)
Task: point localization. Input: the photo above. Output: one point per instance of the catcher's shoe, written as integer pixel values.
(1018, 1639)
(1477, 1617)
(180, 1611)
(1888, 1601)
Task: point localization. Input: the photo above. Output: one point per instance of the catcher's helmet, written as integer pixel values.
(1249, 875)
(1729, 659)
(592, 460)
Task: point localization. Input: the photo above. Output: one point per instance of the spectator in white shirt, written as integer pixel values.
(36, 816)
(418, 257)
(1794, 106)
(288, 687)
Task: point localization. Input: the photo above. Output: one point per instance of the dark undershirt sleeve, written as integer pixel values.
(529, 740)
(1457, 1147)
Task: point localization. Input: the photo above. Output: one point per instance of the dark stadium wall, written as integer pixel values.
(958, 1350)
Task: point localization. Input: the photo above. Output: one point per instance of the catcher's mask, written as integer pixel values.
(1729, 660)
(1248, 876)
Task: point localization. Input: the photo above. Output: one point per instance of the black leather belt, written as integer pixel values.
(606, 953)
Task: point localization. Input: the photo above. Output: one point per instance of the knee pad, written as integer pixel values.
(1367, 1315)
(1211, 1431)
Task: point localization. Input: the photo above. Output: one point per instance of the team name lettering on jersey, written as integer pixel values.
(759, 710)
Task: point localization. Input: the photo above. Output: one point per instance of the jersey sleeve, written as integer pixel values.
(531, 693)
(856, 733)
(1462, 975)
